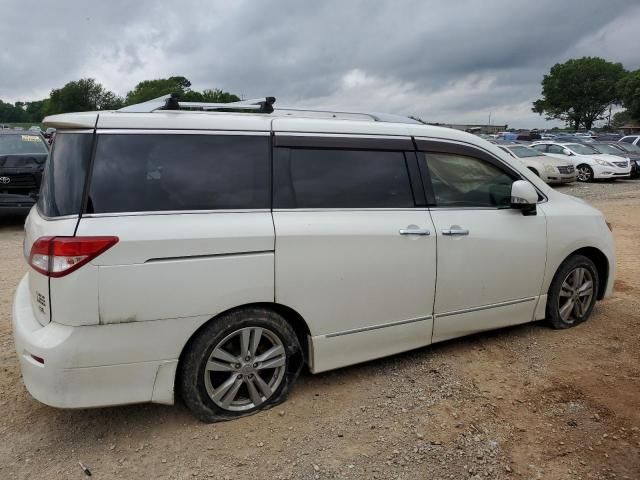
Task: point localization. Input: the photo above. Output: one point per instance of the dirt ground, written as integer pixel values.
(521, 403)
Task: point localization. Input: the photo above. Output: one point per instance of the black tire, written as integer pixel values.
(555, 300)
(192, 369)
(584, 173)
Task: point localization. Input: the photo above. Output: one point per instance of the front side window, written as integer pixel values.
(557, 149)
(583, 149)
(332, 178)
(153, 172)
(524, 152)
(540, 148)
(462, 181)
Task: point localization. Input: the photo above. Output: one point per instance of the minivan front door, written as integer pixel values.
(491, 258)
(355, 256)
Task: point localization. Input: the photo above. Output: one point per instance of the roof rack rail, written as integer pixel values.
(171, 102)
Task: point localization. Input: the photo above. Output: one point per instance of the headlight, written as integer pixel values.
(604, 163)
(550, 169)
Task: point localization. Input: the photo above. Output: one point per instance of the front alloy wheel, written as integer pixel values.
(576, 294)
(584, 173)
(572, 293)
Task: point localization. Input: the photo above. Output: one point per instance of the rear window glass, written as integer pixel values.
(64, 175)
(328, 178)
(160, 172)
(22, 144)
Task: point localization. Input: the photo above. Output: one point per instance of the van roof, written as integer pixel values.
(257, 115)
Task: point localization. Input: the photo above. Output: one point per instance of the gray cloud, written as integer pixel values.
(441, 60)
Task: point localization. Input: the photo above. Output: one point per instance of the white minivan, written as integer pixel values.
(213, 251)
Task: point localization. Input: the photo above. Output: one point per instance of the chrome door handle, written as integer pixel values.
(455, 230)
(414, 231)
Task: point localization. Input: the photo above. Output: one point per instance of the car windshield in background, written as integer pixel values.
(629, 147)
(524, 152)
(581, 149)
(611, 150)
(22, 144)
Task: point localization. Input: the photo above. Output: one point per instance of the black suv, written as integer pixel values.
(22, 158)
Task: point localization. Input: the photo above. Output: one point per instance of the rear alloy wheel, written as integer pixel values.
(239, 363)
(573, 292)
(584, 173)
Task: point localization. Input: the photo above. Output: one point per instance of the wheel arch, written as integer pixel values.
(295, 320)
(601, 262)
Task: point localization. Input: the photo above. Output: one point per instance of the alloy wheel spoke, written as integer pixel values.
(586, 289)
(273, 363)
(215, 366)
(566, 309)
(255, 396)
(271, 353)
(578, 309)
(245, 339)
(222, 354)
(222, 390)
(262, 386)
(578, 278)
(255, 341)
(566, 290)
(232, 393)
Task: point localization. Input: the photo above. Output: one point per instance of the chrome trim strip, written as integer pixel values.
(212, 255)
(162, 131)
(173, 212)
(485, 307)
(376, 327)
(347, 209)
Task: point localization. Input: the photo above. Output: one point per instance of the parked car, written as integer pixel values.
(633, 139)
(22, 159)
(550, 169)
(217, 254)
(608, 137)
(633, 151)
(615, 148)
(590, 163)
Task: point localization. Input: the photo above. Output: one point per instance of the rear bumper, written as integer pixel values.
(69, 379)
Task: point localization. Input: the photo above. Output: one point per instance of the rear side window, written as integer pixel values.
(330, 178)
(64, 175)
(166, 172)
(462, 181)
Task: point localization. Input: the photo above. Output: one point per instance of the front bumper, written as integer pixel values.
(68, 378)
(12, 204)
(556, 178)
(602, 172)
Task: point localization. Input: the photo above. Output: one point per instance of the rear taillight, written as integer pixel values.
(59, 256)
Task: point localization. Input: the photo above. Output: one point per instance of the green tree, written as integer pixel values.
(210, 96)
(150, 89)
(629, 90)
(579, 91)
(80, 96)
(620, 119)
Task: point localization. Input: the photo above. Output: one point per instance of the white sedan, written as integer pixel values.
(590, 163)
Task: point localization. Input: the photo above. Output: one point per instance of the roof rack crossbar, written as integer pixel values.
(171, 102)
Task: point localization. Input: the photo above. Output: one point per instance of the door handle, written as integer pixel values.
(414, 231)
(455, 230)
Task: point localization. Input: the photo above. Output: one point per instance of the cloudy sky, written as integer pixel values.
(447, 61)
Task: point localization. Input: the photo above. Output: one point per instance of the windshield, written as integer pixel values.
(581, 149)
(22, 145)
(524, 152)
(604, 148)
(629, 147)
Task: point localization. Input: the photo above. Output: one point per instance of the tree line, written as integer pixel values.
(582, 91)
(87, 94)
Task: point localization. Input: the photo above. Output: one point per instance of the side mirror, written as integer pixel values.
(524, 197)
(567, 152)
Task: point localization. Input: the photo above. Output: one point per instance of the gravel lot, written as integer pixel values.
(525, 402)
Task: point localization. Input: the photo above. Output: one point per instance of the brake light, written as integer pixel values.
(59, 256)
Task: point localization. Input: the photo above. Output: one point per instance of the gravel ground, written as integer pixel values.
(523, 403)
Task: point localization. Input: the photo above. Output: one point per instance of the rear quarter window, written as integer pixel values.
(65, 174)
(169, 172)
